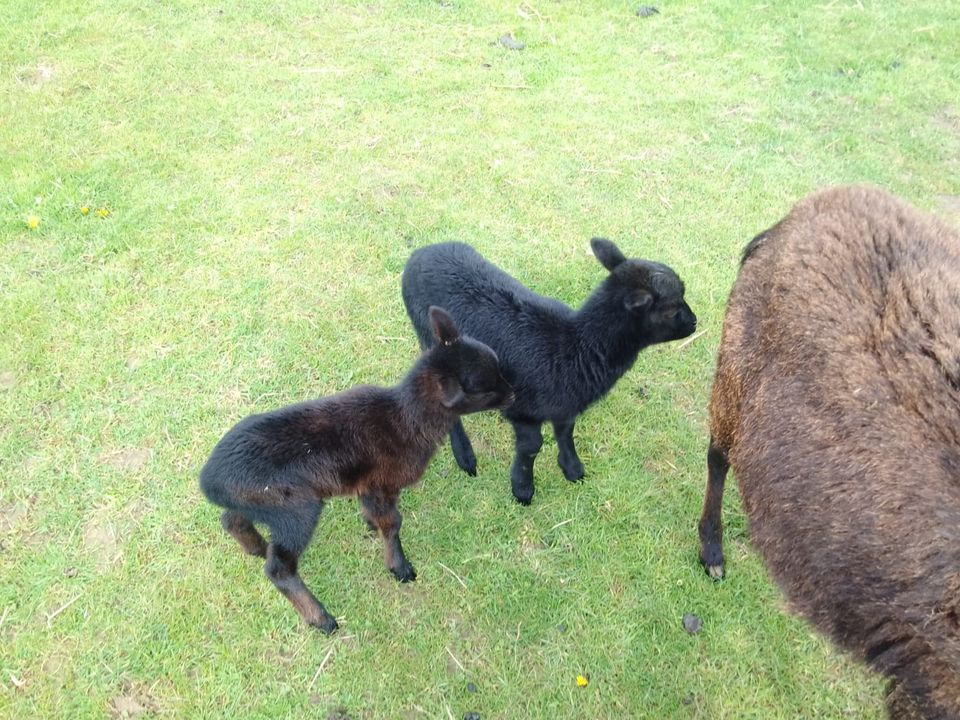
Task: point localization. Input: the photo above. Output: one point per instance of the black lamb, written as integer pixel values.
(558, 361)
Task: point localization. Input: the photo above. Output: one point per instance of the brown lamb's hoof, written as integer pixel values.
(328, 625)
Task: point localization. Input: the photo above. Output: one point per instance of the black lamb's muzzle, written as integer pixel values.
(686, 323)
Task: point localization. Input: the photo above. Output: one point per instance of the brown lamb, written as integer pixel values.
(279, 468)
(837, 403)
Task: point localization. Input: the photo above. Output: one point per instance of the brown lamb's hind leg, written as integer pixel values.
(289, 537)
(243, 531)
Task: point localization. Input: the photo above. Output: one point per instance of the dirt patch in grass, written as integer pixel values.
(11, 515)
(134, 701)
(56, 669)
(36, 76)
(128, 459)
(8, 380)
(948, 118)
(100, 540)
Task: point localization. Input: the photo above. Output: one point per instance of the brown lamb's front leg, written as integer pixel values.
(380, 509)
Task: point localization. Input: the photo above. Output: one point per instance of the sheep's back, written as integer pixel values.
(842, 350)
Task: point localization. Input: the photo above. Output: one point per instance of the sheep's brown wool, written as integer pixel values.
(278, 468)
(559, 361)
(837, 404)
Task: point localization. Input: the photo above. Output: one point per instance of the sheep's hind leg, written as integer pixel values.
(711, 527)
(463, 450)
(529, 440)
(567, 456)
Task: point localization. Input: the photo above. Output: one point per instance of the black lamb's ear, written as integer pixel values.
(607, 253)
(451, 392)
(444, 328)
(638, 300)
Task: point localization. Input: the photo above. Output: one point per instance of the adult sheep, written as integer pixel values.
(837, 404)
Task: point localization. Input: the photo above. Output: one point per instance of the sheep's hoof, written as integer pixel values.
(405, 573)
(711, 557)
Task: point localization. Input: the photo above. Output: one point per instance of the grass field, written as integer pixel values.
(263, 170)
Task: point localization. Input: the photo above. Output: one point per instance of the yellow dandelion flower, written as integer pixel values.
(85, 210)
(33, 222)
(582, 681)
(102, 212)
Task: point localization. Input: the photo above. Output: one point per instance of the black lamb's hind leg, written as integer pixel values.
(529, 440)
(290, 535)
(463, 450)
(711, 527)
(567, 456)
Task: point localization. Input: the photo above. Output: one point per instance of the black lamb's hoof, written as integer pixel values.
(468, 464)
(524, 499)
(573, 473)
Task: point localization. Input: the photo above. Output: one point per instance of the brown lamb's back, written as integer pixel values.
(837, 404)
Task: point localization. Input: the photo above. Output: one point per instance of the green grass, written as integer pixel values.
(268, 167)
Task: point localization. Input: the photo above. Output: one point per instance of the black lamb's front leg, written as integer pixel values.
(528, 443)
(380, 509)
(567, 456)
(462, 449)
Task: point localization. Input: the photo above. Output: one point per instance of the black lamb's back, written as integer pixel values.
(533, 336)
(483, 294)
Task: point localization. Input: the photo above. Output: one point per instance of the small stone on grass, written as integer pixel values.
(692, 624)
(510, 43)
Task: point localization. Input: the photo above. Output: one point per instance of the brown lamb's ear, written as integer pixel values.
(607, 253)
(444, 328)
(451, 393)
